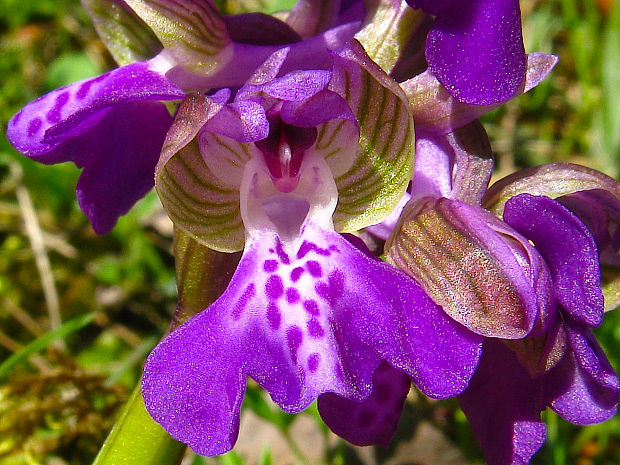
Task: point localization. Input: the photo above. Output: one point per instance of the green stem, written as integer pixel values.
(202, 275)
(137, 439)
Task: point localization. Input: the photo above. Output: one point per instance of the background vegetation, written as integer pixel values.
(79, 313)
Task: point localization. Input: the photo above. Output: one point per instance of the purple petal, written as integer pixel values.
(590, 357)
(319, 108)
(244, 121)
(293, 319)
(435, 110)
(600, 212)
(475, 49)
(503, 405)
(583, 388)
(432, 171)
(41, 126)
(297, 85)
(569, 250)
(107, 125)
(432, 7)
(373, 420)
(119, 167)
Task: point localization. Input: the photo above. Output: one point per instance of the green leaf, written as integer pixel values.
(265, 457)
(42, 342)
(68, 68)
(610, 74)
(230, 458)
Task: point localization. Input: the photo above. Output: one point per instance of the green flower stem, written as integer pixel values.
(137, 440)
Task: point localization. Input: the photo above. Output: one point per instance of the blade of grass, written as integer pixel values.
(42, 342)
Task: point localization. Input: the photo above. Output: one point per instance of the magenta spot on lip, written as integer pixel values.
(307, 247)
(292, 295)
(314, 268)
(313, 362)
(270, 266)
(296, 273)
(243, 301)
(294, 337)
(33, 126)
(322, 289)
(274, 287)
(284, 258)
(312, 307)
(336, 282)
(273, 316)
(333, 289)
(315, 329)
(17, 117)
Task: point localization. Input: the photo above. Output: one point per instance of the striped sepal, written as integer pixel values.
(199, 203)
(471, 273)
(193, 31)
(195, 199)
(126, 37)
(381, 169)
(552, 180)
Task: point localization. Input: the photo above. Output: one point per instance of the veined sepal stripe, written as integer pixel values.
(380, 174)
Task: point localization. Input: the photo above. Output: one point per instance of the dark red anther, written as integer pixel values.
(283, 150)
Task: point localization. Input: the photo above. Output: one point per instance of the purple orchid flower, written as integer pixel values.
(564, 368)
(546, 260)
(113, 126)
(293, 317)
(475, 48)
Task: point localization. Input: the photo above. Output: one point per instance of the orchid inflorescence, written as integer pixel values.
(292, 135)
